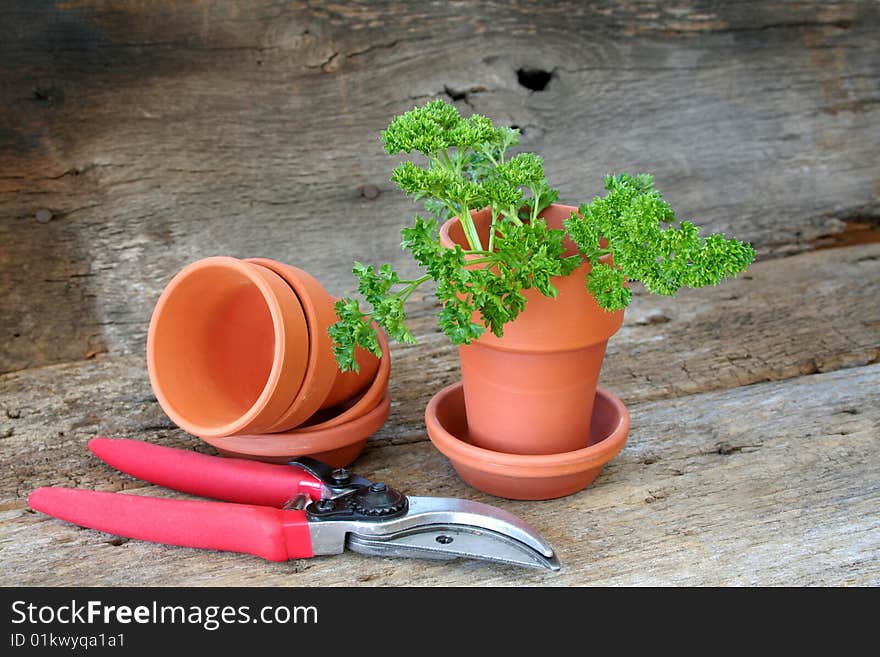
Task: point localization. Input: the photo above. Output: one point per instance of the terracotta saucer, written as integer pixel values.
(337, 446)
(526, 476)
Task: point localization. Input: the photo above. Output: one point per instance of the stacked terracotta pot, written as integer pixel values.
(239, 354)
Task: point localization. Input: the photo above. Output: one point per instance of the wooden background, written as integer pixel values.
(136, 137)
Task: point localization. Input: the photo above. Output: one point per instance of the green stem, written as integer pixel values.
(415, 281)
(470, 230)
(511, 214)
(592, 256)
(537, 197)
(492, 230)
(405, 293)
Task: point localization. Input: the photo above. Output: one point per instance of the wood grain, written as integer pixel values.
(156, 135)
(772, 484)
(136, 137)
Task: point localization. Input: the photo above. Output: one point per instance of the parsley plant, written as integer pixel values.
(467, 168)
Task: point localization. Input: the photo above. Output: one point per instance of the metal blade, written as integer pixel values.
(453, 542)
(441, 528)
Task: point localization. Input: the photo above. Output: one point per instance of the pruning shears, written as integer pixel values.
(279, 512)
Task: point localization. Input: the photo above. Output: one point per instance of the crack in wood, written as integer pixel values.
(332, 62)
(725, 448)
(371, 48)
(695, 28)
(463, 95)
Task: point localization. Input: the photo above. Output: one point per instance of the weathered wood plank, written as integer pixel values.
(766, 484)
(156, 136)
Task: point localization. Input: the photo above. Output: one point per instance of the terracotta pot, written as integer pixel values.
(357, 406)
(337, 445)
(227, 347)
(324, 385)
(525, 476)
(531, 391)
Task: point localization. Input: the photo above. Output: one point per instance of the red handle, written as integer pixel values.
(234, 480)
(266, 532)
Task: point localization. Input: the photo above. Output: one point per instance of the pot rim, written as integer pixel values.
(528, 465)
(577, 319)
(448, 242)
(279, 346)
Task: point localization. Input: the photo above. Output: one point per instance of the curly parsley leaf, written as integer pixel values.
(629, 218)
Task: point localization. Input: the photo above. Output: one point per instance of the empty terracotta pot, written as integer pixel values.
(338, 445)
(525, 476)
(532, 390)
(227, 347)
